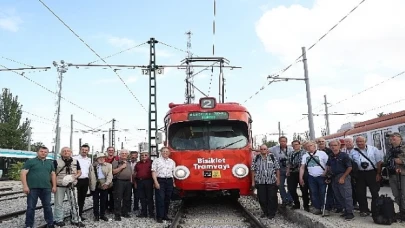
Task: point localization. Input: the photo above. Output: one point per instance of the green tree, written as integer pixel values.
(381, 114)
(13, 131)
(298, 137)
(35, 146)
(323, 132)
(15, 170)
(270, 143)
(307, 135)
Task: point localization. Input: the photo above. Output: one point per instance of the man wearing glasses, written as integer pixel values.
(144, 184)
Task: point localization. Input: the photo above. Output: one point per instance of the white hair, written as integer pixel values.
(124, 151)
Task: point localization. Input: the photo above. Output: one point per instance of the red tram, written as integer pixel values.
(210, 143)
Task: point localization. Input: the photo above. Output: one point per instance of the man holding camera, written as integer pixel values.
(282, 153)
(122, 186)
(369, 160)
(340, 166)
(396, 169)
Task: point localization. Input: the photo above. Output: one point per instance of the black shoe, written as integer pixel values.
(141, 216)
(349, 216)
(270, 216)
(60, 223)
(126, 216)
(82, 218)
(151, 215)
(295, 207)
(306, 209)
(159, 220)
(78, 224)
(104, 218)
(96, 218)
(117, 218)
(166, 219)
(263, 216)
(338, 210)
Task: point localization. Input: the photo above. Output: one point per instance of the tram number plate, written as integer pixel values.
(216, 174)
(208, 173)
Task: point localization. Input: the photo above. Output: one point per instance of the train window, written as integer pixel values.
(202, 135)
(401, 130)
(387, 142)
(377, 140)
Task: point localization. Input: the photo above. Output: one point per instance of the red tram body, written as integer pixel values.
(210, 143)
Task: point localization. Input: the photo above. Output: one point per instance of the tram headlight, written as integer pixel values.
(240, 170)
(181, 172)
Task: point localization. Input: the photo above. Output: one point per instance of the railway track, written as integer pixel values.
(66, 217)
(11, 215)
(214, 212)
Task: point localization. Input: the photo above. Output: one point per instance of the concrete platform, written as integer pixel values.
(310, 220)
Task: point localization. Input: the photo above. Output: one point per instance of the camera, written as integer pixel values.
(283, 162)
(364, 165)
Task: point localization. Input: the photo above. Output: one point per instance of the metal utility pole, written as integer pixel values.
(308, 89)
(109, 137)
(279, 129)
(190, 96)
(309, 102)
(103, 144)
(71, 131)
(326, 116)
(80, 142)
(29, 138)
(113, 133)
(152, 67)
(61, 68)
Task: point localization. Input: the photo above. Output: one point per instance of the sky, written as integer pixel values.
(263, 37)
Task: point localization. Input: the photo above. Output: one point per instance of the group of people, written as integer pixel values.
(331, 179)
(114, 182)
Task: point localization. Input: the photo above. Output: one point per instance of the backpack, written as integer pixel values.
(384, 211)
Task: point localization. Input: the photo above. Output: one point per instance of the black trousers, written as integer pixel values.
(122, 197)
(367, 179)
(99, 202)
(292, 183)
(145, 191)
(354, 195)
(267, 194)
(135, 196)
(110, 200)
(82, 189)
(163, 196)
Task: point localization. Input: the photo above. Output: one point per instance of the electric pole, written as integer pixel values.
(29, 138)
(279, 129)
(80, 142)
(308, 89)
(109, 137)
(103, 144)
(190, 96)
(113, 133)
(326, 116)
(71, 131)
(61, 68)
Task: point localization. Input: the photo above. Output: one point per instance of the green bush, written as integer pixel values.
(15, 170)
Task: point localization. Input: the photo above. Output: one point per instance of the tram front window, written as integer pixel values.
(201, 135)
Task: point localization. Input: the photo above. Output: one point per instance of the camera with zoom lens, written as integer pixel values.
(283, 162)
(364, 165)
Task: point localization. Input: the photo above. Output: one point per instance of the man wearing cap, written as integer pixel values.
(65, 167)
(100, 181)
(144, 184)
(396, 169)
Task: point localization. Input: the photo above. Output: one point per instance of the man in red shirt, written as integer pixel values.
(144, 184)
(110, 159)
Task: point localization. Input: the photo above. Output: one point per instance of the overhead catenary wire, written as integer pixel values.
(117, 53)
(282, 71)
(381, 106)
(15, 61)
(88, 46)
(53, 92)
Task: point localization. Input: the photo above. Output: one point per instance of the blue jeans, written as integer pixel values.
(318, 190)
(285, 196)
(163, 196)
(32, 198)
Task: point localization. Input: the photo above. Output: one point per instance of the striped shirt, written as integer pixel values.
(163, 167)
(294, 160)
(265, 169)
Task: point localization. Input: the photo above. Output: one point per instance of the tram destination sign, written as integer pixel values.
(208, 116)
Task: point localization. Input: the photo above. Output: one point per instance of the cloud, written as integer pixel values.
(9, 21)
(365, 49)
(125, 43)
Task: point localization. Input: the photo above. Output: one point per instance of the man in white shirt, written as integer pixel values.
(315, 160)
(83, 180)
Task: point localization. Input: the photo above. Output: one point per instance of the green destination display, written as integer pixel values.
(208, 116)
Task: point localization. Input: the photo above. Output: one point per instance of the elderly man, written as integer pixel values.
(162, 174)
(38, 180)
(369, 160)
(122, 186)
(340, 165)
(65, 166)
(349, 149)
(143, 182)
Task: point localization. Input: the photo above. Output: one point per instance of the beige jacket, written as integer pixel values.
(106, 169)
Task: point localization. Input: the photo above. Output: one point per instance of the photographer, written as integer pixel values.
(122, 186)
(292, 174)
(340, 166)
(281, 153)
(396, 168)
(369, 160)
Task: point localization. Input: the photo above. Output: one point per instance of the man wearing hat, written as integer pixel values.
(100, 176)
(144, 184)
(396, 169)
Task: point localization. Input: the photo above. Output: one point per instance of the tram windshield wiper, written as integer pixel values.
(228, 145)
